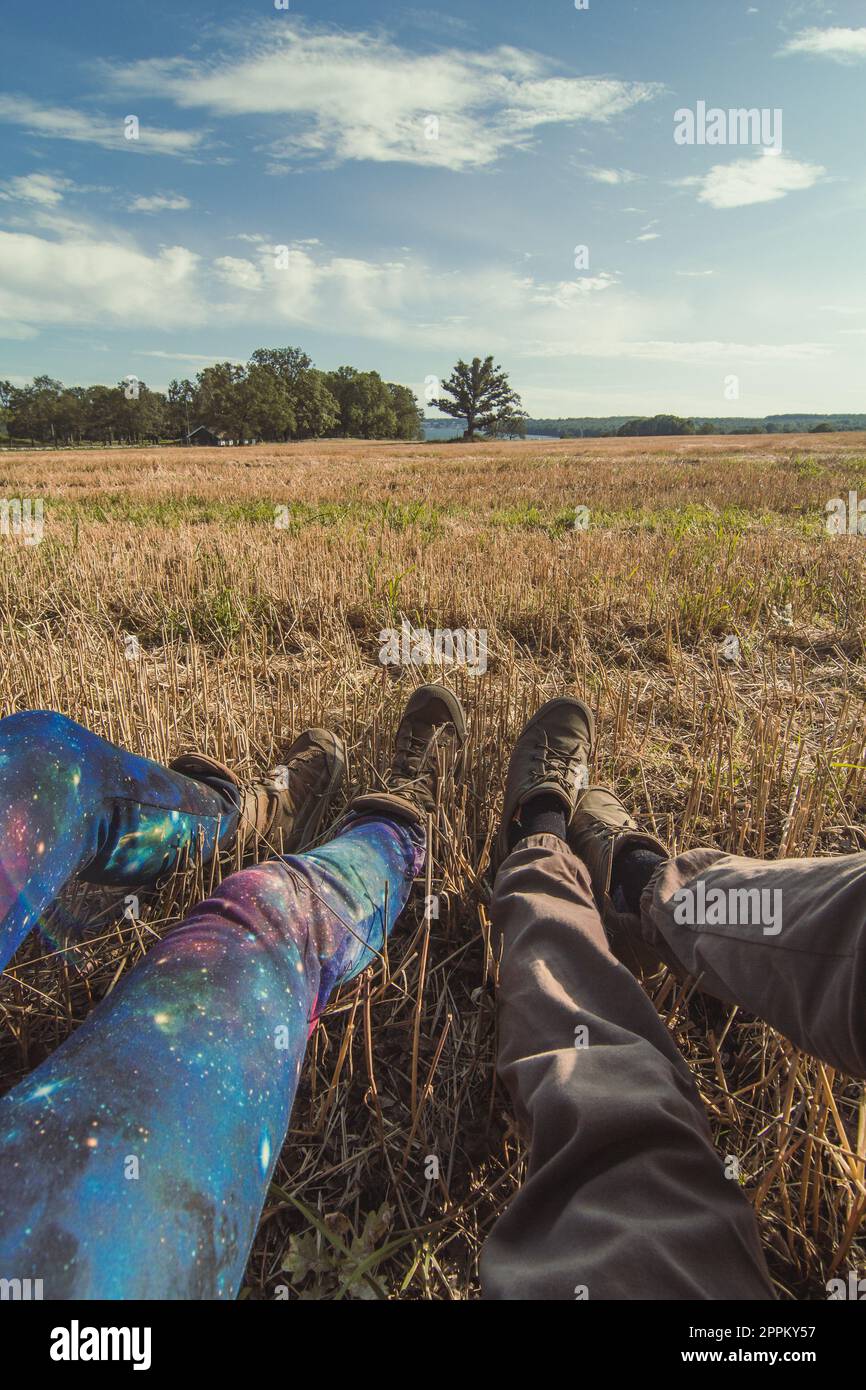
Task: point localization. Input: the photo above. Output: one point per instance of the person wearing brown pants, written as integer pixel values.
(626, 1197)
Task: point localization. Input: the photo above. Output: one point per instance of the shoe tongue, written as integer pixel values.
(409, 758)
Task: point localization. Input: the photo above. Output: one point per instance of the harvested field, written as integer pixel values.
(247, 630)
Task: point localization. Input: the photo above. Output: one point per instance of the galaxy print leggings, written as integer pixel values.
(135, 1161)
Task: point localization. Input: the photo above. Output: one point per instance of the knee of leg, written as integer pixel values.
(262, 895)
(38, 731)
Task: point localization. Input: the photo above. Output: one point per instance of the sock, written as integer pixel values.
(632, 872)
(541, 815)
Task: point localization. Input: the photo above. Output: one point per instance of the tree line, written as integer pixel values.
(277, 395)
(675, 424)
(587, 427)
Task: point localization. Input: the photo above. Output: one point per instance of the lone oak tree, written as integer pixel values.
(479, 393)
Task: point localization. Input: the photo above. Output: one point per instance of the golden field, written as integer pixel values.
(248, 631)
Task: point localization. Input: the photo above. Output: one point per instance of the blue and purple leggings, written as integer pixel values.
(134, 1162)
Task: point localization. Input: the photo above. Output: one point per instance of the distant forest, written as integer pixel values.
(278, 394)
(587, 427)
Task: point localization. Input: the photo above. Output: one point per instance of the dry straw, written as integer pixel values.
(247, 632)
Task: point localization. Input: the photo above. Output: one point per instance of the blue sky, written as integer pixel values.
(429, 174)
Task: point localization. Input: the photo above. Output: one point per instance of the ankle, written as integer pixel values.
(631, 872)
(540, 815)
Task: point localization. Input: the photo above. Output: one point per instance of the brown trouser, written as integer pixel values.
(626, 1196)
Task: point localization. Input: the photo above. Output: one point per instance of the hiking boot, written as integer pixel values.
(550, 758)
(600, 829)
(429, 739)
(284, 812)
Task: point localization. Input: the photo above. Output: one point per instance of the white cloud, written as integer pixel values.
(696, 274)
(407, 300)
(844, 45)
(567, 99)
(160, 202)
(64, 123)
(236, 271)
(45, 189)
(762, 179)
(88, 276)
(359, 96)
(569, 292)
(647, 236)
(84, 279)
(612, 176)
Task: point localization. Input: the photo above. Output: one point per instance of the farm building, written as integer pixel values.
(203, 434)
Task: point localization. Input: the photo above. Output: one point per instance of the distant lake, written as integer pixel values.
(455, 432)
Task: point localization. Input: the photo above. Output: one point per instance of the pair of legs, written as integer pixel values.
(134, 1162)
(626, 1197)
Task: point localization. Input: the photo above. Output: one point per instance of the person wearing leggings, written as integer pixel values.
(134, 1162)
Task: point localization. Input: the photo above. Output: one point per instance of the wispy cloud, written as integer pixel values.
(844, 45)
(87, 279)
(65, 123)
(360, 96)
(762, 179)
(45, 189)
(569, 292)
(160, 202)
(615, 177)
(687, 352)
(238, 272)
(199, 357)
(95, 276)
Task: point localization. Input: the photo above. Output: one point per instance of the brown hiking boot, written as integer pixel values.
(430, 736)
(549, 758)
(601, 828)
(284, 812)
